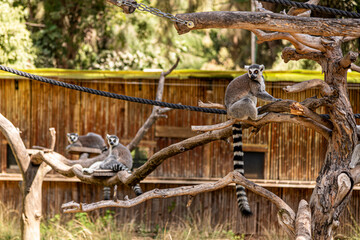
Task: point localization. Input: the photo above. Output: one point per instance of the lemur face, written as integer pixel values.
(255, 71)
(72, 137)
(112, 140)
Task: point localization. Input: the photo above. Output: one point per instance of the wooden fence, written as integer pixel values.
(292, 155)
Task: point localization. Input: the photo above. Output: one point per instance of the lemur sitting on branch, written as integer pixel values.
(90, 140)
(118, 159)
(240, 102)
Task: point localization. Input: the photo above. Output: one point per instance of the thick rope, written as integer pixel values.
(119, 96)
(316, 8)
(109, 94)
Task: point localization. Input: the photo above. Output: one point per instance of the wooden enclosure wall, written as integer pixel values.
(291, 152)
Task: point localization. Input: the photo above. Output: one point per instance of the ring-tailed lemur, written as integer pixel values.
(90, 140)
(118, 159)
(240, 102)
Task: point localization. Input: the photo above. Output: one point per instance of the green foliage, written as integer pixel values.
(9, 222)
(93, 34)
(15, 42)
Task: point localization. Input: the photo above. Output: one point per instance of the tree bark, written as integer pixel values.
(332, 191)
(32, 182)
(271, 22)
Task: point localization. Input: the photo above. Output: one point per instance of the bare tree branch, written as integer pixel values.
(211, 105)
(174, 149)
(355, 174)
(349, 59)
(156, 113)
(300, 11)
(300, 48)
(53, 138)
(303, 221)
(17, 145)
(281, 118)
(291, 54)
(309, 41)
(232, 177)
(271, 22)
(325, 89)
(311, 103)
(218, 126)
(355, 67)
(344, 186)
(125, 8)
(298, 109)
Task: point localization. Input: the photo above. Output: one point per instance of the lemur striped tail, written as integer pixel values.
(239, 167)
(121, 167)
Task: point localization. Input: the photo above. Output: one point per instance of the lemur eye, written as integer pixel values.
(256, 71)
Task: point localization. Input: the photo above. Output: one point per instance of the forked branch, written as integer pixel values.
(288, 219)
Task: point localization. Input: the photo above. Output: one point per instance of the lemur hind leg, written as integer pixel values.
(243, 109)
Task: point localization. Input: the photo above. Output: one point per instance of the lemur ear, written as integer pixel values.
(68, 134)
(262, 67)
(247, 67)
(107, 135)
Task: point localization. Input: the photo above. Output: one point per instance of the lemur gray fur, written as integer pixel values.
(240, 101)
(90, 140)
(118, 159)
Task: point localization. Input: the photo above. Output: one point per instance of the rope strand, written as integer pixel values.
(121, 97)
(316, 8)
(111, 95)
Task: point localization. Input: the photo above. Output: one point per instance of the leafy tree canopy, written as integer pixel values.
(79, 34)
(15, 42)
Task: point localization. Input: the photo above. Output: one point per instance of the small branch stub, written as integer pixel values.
(344, 185)
(303, 221)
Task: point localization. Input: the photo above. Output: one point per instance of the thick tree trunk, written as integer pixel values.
(32, 182)
(334, 183)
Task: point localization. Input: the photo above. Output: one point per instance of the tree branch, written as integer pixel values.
(218, 126)
(291, 54)
(303, 221)
(281, 118)
(325, 89)
(174, 149)
(13, 138)
(349, 59)
(344, 187)
(355, 174)
(309, 41)
(232, 177)
(300, 48)
(355, 67)
(311, 103)
(157, 111)
(270, 22)
(125, 8)
(298, 109)
(211, 105)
